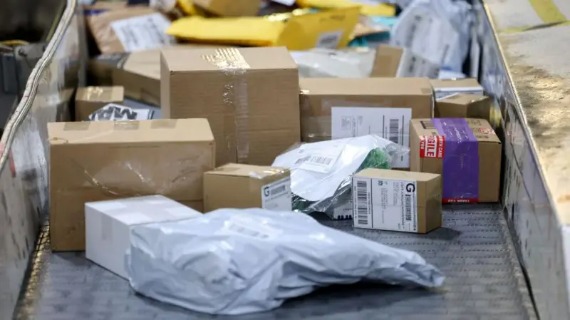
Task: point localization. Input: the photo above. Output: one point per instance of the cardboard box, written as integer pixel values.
(341, 108)
(464, 105)
(394, 62)
(91, 99)
(129, 29)
(466, 152)
(448, 87)
(249, 95)
(108, 225)
(230, 8)
(397, 200)
(105, 160)
(247, 186)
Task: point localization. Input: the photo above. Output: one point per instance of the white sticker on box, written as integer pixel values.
(319, 159)
(143, 32)
(385, 204)
(276, 196)
(389, 123)
(329, 40)
(117, 112)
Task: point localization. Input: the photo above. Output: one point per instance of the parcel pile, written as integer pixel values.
(225, 113)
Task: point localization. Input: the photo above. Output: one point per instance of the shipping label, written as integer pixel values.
(390, 123)
(319, 159)
(432, 147)
(276, 196)
(143, 32)
(329, 40)
(385, 204)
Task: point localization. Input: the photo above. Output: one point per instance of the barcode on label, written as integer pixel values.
(278, 190)
(394, 131)
(329, 40)
(246, 231)
(362, 202)
(320, 160)
(302, 160)
(408, 207)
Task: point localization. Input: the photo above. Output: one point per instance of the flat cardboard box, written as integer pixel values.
(466, 152)
(105, 160)
(397, 200)
(464, 105)
(247, 186)
(333, 108)
(230, 8)
(108, 225)
(447, 87)
(249, 95)
(395, 62)
(91, 99)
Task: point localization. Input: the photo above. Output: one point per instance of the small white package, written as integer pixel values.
(108, 223)
(233, 261)
(330, 63)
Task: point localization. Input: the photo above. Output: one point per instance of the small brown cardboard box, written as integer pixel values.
(93, 161)
(446, 87)
(249, 95)
(397, 200)
(230, 8)
(394, 62)
(247, 186)
(464, 105)
(341, 108)
(91, 99)
(466, 152)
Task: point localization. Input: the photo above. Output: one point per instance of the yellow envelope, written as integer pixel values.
(187, 7)
(330, 29)
(381, 9)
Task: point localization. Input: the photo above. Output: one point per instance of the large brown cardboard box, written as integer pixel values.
(230, 8)
(397, 200)
(391, 61)
(249, 95)
(247, 186)
(447, 87)
(466, 152)
(91, 99)
(341, 108)
(464, 105)
(93, 161)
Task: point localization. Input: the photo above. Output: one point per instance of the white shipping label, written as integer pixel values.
(329, 40)
(385, 204)
(118, 112)
(319, 159)
(276, 196)
(143, 33)
(390, 123)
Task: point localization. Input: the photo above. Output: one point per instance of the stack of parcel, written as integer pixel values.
(198, 112)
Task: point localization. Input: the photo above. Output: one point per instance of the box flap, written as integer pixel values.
(443, 84)
(246, 170)
(166, 130)
(397, 175)
(463, 99)
(100, 94)
(208, 59)
(366, 86)
(387, 61)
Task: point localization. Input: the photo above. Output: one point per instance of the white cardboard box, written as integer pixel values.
(108, 223)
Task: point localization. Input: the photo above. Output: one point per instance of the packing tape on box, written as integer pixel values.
(235, 95)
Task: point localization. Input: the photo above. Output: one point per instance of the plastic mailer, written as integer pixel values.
(321, 172)
(233, 261)
(329, 29)
(318, 63)
(366, 7)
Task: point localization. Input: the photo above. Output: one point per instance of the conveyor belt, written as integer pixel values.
(474, 250)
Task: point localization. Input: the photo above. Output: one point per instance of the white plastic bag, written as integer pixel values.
(233, 261)
(349, 63)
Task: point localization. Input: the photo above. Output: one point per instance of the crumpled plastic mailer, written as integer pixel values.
(233, 261)
(318, 63)
(321, 172)
(439, 30)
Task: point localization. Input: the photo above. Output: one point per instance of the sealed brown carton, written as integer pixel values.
(249, 95)
(397, 200)
(464, 105)
(466, 152)
(91, 99)
(247, 186)
(341, 108)
(230, 8)
(93, 161)
(447, 87)
(391, 61)
(129, 29)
